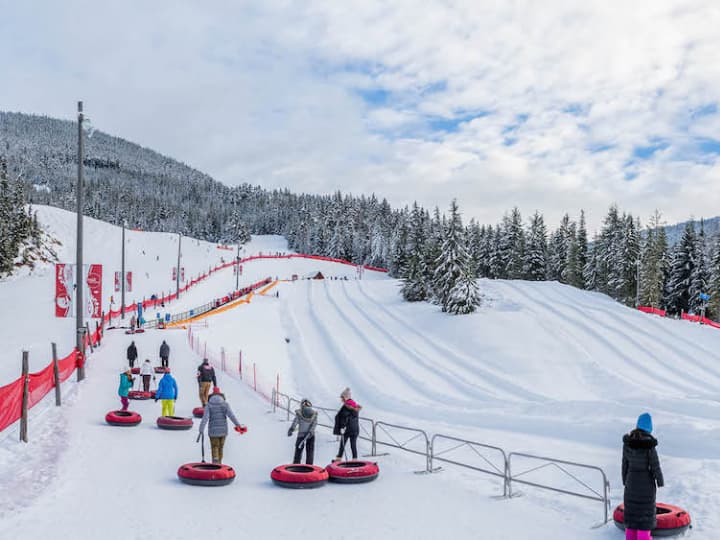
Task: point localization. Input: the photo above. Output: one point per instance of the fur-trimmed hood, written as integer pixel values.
(638, 438)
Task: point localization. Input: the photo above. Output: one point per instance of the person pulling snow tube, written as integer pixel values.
(352, 472)
(198, 412)
(671, 520)
(123, 418)
(139, 394)
(299, 476)
(174, 423)
(206, 474)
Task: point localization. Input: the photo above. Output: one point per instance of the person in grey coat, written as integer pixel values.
(165, 354)
(641, 476)
(215, 417)
(306, 422)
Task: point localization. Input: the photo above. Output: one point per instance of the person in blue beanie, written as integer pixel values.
(641, 476)
(167, 392)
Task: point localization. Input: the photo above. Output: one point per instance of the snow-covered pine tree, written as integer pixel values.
(590, 272)
(432, 250)
(699, 277)
(464, 296)
(535, 268)
(453, 263)
(558, 251)
(485, 253)
(414, 286)
(714, 285)
(683, 261)
(653, 265)
(515, 238)
(581, 255)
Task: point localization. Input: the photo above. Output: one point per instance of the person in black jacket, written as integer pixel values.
(132, 354)
(347, 424)
(165, 354)
(641, 476)
(206, 379)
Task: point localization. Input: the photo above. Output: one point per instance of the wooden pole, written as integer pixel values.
(25, 397)
(277, 387)
(56, 373)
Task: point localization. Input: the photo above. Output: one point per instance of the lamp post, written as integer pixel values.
(79, 306)
(177, 274)
(122, 273)
(237, 268)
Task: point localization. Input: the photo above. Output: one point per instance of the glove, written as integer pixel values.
(290, 432)
(156, 399)
(241, 429)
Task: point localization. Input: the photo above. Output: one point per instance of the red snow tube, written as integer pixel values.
(206, 474)
(671, 520)
(353, 472)
(198, 412)
(123, 418)
(139, 394)
(135, 371)
(299, 476)
(177, 423)
(159, 369)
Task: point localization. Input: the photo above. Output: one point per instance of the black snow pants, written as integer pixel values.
(353, 444)
(309, 450)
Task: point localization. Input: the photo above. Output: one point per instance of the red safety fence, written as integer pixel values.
(67, 365)
(10, 403)
(652, 310)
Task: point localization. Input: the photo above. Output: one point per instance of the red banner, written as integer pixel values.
(93, 280)
(117, 281)
(174, 273)
(182, 273)
(10, 403)
(64, 281)
(128, 281)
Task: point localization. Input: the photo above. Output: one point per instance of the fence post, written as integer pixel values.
(25, 397)
(89, 337)
(205, 350)
(274, 398)
(222, 357)
(56, 373)
(277, 383)
(240, 363)
(254, 377)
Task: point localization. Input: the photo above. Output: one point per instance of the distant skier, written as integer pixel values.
(133, 323)
(641, 476)
(215, 417)
(146, 371)
(167, 391)
(206, 379)
(347, 424)
(306, 422)
(165, 354)
(126, 383)
(132, 354)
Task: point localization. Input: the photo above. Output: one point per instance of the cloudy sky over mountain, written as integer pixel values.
(555, 105)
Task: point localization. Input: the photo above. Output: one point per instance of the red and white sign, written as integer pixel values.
(128, 281)
(182, 273)
(237, 268)
(64, 289)
(93, 290)
(174, 274)
(117, 281)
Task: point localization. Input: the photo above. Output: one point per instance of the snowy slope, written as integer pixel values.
(541, 368)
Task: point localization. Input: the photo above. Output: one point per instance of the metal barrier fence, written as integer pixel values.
(479, 457)
(561, 465)
(476, 450)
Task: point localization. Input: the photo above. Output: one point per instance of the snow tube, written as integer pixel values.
(352, 472)
(140, 331)
(123, 418)
(198, 412)
(299, 476)
(159, 369)
(139, 394)
(206, 474)
(135, 371)
(671, 520)
(176, 423)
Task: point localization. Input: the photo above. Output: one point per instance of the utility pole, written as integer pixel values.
(79, 274)
(237, 268)
(177, 274)
(122, 274)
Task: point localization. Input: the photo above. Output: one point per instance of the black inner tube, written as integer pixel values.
(351, 465)
(123, 413)
(659, 511)
(173, 417)
(207, 467)
(300, 468)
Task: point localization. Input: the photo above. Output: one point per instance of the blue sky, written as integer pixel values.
(456, 100)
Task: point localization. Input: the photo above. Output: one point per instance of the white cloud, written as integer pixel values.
(269, 94)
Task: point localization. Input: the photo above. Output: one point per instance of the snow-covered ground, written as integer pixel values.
(542, 368)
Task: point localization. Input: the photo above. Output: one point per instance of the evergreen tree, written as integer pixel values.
(514, 243)
(681, 271)
(535, 268)
(453, 263)
(414, 286)
(714, 285)
(464, 296)
(699, 276)
(653, 265)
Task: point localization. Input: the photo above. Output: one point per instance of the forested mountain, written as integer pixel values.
(436, 255)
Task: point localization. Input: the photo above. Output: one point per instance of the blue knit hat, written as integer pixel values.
(645, 422)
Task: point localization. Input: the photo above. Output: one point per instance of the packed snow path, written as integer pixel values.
(120, 483)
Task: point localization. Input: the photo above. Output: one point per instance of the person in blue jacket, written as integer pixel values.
(126, 383)
(167, 392)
